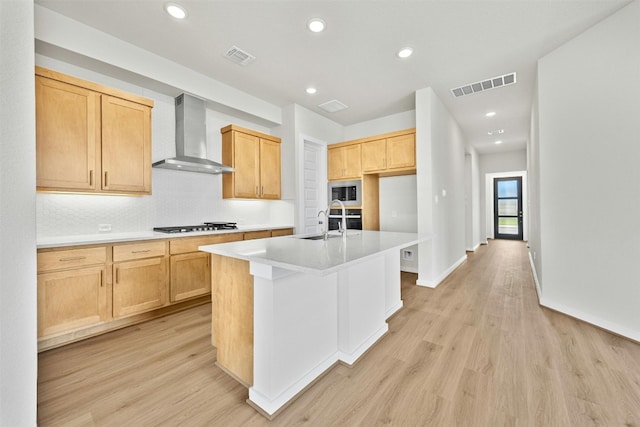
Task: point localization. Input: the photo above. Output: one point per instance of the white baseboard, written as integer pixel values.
(440, 279)
(351, 358)
(393, 310)
(409, 269)
(585, 317)
(475, 248)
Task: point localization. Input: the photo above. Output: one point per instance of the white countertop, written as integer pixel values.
(91, 239)
(319, 257)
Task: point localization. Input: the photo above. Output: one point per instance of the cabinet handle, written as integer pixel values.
(91, 178)
(262, 191)
(208, 258)
(257, 194)
(102, 278)
(75, 258)
(105, 179)
(117, 274)
(141, 252)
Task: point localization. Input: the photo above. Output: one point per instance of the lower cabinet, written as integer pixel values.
(190, 275)
(72, 289)
(139, 286)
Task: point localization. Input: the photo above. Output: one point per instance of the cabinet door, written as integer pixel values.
(190, 275)
(335, 163)
(126, 146)
(352, 161)
(401, 151)
(139, 286)
(374, 155)
(270, 169)
(246, 161)
(71, 299)
(67, 133)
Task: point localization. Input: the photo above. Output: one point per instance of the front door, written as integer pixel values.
(507, 208)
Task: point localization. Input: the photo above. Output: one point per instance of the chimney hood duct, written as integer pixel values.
(191, 139)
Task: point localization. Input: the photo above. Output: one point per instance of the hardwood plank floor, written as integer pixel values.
(476, 351)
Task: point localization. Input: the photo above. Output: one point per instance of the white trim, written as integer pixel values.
(435, 283)
(409, 269)
(393, 310)
(585, 317)
(535, 278)
(270, 406)
(475, 248)
(353, 357)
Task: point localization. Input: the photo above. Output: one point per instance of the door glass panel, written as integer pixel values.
(508, 225)
(508, 207)
(507, 188)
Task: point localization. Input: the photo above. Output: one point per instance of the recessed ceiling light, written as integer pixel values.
(311, 90)
(498, 142)
(316, 25)
(495, 132)
(405, 52)
(175, 10)
(490, 114)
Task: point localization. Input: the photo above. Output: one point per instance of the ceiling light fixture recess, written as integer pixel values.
(316, 25)
(311, 90)
(490, 114)
(405, 52)
(175, 10)
(498, 142)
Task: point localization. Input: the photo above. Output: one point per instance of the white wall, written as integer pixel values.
(589, 105)
(391, 123)
(533, 171)
(18, 298)
(472, 185)
(440, 185)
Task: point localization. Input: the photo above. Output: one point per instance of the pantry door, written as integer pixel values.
(507, 208)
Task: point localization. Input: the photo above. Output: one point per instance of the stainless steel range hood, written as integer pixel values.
(191, 139)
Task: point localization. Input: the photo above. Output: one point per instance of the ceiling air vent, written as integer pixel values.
(239, 56)
(492, 83)
(333, 106)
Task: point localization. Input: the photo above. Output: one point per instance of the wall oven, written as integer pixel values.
(348, 192)
(354, 219)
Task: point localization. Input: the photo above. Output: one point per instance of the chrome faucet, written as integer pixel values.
(325, 227)
(342, 227)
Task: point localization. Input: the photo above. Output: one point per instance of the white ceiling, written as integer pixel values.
(353, 60)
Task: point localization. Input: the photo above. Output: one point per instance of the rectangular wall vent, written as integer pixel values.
(333, 106)
(239, 56)
(492, 83)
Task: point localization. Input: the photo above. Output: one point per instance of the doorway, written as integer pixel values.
(507, 208)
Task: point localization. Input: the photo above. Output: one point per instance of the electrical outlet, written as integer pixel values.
(104, 227)
(407, 255)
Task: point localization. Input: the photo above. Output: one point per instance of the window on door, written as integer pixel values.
(507, 208)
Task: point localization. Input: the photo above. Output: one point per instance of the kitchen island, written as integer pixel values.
(287, 309)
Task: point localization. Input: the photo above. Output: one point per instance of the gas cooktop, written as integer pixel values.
(207, 226)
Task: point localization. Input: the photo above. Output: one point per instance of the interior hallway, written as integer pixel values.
(477, 350)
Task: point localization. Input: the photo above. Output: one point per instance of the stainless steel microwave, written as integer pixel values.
(348, 192)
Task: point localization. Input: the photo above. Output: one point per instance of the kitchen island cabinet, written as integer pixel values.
(90, 138)
(287, 309)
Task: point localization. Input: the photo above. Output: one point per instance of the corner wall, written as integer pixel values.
(589, 133)
(18, 297)
(440, 156)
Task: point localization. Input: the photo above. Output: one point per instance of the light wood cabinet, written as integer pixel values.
(256, 158)
(140, 278)
(71, 290)
(344, 162)
(389, 154)
(282, 232)
(190, 269)
(90, 138)
(262, 234)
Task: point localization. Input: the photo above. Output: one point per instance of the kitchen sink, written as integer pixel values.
(320, 237)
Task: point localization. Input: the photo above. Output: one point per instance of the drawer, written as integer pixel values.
(257, 234)
(282, 232)
(71, 258)
(190, 244)
(139, 250)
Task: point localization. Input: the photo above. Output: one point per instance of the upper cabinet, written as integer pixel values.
(396, 153)
(256, 158)
(344, 162)
(385, 155)
(90, 138)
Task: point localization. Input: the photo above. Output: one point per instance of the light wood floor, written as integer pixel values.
(476, 351)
